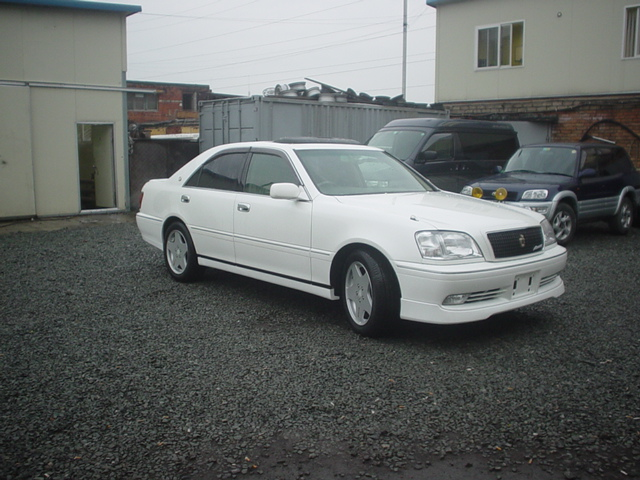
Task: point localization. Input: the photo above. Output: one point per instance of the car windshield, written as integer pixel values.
(399, 143)
(550, 160)
(359, 172)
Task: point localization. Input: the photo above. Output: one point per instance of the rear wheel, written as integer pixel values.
(369, 293)
(621, 222)
(564, 223)
(180, 254)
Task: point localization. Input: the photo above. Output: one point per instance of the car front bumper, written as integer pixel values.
(484, 289)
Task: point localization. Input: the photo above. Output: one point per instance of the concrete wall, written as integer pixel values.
(571, 47)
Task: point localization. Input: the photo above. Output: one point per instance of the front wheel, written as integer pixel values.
(621, 222)
(564, 223)
(369, 294)
(180, 254)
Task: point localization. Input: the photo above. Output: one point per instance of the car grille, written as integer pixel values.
(514, 243)
(489, 195)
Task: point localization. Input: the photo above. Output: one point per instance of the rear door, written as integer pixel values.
(207, 205)
(480, 153)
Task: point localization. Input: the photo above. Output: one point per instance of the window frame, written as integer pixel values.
(131, 101)
(635, 43)
(499, 53)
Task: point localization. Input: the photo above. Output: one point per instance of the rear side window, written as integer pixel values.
(220, 173)
(612, 161)
(487, 146)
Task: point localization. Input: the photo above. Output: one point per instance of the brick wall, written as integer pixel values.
(614, 117)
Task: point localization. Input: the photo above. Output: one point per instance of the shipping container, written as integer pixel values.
(272, 117)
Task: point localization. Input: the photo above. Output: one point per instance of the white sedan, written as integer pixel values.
(350, 222)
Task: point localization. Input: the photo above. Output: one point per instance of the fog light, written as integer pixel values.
(477, 192)
(500, 194)
(457, 299)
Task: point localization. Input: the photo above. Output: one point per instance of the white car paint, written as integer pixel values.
(295, 242)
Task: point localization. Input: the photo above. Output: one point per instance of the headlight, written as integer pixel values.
(466, 190)
(549, 235)
(447, 246)
(540, 194)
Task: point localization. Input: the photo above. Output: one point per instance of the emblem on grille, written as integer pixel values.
(522, 240)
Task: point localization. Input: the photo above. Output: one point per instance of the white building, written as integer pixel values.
(570, 65)
(63, 131)
(497, 49)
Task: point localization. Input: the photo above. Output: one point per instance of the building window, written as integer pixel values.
(188, 100)
(631, 36)
(142, 101)
(500, 45)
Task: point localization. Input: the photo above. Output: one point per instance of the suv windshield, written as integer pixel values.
(552, 160)
(359, 172)
(399, 143)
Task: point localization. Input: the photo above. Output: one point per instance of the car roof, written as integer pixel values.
(576, 145)
(448, 123)
(310, 143)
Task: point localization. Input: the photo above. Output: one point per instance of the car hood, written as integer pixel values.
(446, 211)
(517, 181)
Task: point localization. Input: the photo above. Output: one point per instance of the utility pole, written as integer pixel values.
(404, 51)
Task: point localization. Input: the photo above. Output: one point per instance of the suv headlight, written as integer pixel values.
(549, 234)
(437, 245)
(539, 194)
(467, 190)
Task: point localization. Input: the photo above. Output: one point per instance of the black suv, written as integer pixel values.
(568, 183)
(448, 152)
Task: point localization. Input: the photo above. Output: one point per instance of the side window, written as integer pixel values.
(589, 162)
(487, 146)
(442, 144)
(265, 170)
(220, 173)
(611, 161)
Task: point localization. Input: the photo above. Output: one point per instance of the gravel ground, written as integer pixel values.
(111, 370)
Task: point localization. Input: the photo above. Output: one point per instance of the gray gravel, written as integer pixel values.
(111, 370)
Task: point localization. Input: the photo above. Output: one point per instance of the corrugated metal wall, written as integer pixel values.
(270, 118)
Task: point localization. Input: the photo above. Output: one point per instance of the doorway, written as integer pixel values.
(96, 166)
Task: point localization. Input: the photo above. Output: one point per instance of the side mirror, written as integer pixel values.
(284, 191)
(426, 156)
(498, 169)
(588, 173)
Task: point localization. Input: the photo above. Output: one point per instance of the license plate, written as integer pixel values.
(525, 284)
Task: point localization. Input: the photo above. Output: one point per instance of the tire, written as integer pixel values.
(564, 223)
(179, 253)
(369, 294)
(621, 222)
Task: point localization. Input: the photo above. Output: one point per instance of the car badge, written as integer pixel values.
(522, 240)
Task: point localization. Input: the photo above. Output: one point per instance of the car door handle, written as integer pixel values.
(244, 207)
(185, 199)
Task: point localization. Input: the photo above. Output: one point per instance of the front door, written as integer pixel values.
(272, 235)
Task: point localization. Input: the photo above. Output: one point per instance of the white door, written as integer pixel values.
(272, 235)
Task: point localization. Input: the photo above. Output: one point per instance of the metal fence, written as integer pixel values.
(156, 159)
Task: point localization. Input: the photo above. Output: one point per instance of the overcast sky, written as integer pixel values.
(245, 46)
